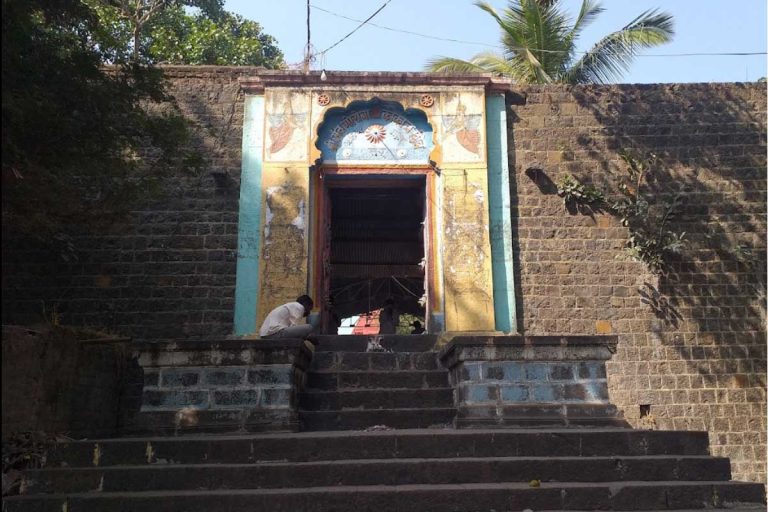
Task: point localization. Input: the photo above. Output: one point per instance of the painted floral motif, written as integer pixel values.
(375, 134)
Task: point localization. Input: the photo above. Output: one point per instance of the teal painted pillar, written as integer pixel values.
(500, 214)
(249, 220)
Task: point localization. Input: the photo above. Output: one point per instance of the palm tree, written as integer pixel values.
(539, 42)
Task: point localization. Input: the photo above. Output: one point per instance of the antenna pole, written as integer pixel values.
(307, 51)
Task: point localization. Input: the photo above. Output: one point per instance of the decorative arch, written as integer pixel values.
(375, 132)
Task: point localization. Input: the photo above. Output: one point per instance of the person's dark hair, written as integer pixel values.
(416, 323)
(306, 301)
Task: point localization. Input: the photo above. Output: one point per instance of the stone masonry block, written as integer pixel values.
(276, 397)
(515, 394)
(547, 392)
(275, 374)
(469, 372)
(591, 370)
(597, 391)
(172, 377)
(477, 393)
(173, 399)
(151, 378)
(536, 372)
(236, 398)
(514, 372)
(561, 372)
(224, 376)
(493, 371)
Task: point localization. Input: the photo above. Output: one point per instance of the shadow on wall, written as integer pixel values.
(165, 270)
(711, 139)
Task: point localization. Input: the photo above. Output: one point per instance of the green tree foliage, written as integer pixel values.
(74, 134)
(539, 42)
(169, 32)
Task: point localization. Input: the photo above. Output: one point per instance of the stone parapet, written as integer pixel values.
(221, 385)
(531, 380)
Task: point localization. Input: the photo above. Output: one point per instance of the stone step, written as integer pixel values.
(360, 419)
(372, 399)
(404, 498)
(375, 361)
(412, 379)
(395, 343)
(460, 470)
(386, 444)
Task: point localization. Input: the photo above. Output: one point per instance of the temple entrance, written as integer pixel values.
(374, 248)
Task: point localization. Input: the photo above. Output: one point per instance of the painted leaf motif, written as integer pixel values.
(469, 139)
(280, 136)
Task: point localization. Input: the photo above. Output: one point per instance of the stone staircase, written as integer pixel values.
(395, 470)
(351, 389)
(377, 435)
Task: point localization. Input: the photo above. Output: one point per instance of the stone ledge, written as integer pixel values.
(527, 348)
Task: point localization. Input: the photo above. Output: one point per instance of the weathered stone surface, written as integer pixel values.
(211, 386)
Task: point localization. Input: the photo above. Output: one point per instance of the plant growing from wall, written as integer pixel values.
(652, 239)
(575, 193)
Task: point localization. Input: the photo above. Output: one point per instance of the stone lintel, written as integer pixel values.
(530, 348)
(282, 78)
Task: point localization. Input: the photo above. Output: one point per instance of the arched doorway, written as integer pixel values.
(374, 205)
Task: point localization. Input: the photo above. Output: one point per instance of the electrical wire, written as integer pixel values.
(356, 28)
(695, 54)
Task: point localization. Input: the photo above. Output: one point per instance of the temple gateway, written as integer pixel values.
(363, 187)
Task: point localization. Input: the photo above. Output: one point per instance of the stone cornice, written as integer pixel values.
(272, 78)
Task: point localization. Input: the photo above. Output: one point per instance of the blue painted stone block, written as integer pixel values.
(174, 399)
(470, 372)
(224, 377)
(477, 393)
(277, 397)
(537, 372)
(547, 392)
(591, 370)
(270, 375)
(182, 377)
(561, 372)
(597, 391)
(514, 372)
(515, 394)
(237, 397)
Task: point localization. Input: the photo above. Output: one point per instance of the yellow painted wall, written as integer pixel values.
(285, 224)
(467, 250)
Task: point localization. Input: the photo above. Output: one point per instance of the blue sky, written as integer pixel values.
(701, 26)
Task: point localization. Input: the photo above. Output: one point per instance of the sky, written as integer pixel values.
(701, 26)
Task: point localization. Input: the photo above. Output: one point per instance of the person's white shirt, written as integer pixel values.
(281, 317)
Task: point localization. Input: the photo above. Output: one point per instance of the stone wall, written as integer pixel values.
(54, 382)
(169, 269)
(691, 344)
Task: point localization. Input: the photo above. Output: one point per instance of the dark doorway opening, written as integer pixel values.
(376, 248)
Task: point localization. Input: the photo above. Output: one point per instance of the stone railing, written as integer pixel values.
(221, 386)
(531, 380)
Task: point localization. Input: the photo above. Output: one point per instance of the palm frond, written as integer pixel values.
(611, 57)
(590, 9)
(452, 65)
(486, 62)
